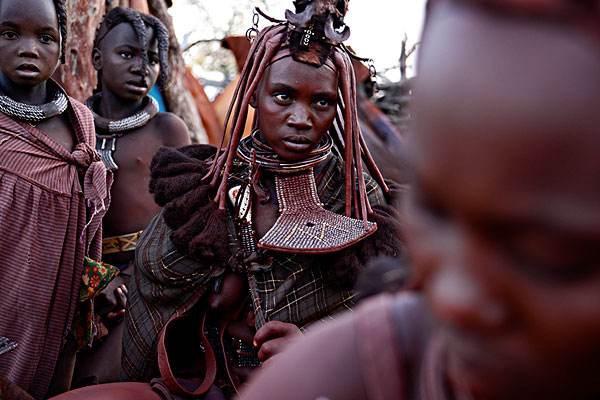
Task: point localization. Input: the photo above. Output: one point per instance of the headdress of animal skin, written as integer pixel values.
(315, 27)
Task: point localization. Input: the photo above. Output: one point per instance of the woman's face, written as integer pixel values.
(296, 105)
(504, 223)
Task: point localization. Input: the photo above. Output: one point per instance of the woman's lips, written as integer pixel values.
(297, 144)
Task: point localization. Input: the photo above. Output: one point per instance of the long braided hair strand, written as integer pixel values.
(61, 13)
(264, 47)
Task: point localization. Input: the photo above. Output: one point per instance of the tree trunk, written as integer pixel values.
(178, 98)
(77, 74)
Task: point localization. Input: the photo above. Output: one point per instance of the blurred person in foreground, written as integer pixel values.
(503, 225)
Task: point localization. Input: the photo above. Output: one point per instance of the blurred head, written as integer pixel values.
(130, 53)
(296, 104)
(32, 34)
(504, 223)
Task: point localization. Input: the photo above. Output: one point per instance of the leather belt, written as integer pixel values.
(120, 244)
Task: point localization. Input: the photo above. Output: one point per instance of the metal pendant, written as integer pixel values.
(304, 226)
(106, 146)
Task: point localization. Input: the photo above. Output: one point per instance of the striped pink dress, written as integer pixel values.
(51, 206)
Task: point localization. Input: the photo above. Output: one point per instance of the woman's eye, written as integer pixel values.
(282, 98)
(154, 61)
(323, 103)
(10, 35)
(126, 55)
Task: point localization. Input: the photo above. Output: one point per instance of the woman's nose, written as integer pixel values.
(300, 118)
(461, 290)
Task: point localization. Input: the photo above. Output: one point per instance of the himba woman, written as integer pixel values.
(260, 240)
(54, 191)
(503, 225)
(130, 54)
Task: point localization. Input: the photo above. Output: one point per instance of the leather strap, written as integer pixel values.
(166, 372)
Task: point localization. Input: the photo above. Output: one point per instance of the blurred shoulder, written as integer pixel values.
(323, 364)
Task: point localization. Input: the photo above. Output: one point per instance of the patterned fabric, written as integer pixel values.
(95, 278)
(51, 207)
(296, 288)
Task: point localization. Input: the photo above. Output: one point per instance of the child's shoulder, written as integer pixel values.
(171, 129)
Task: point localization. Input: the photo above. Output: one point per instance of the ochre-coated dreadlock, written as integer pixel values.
(264, 47)
(140, 23)
(61, 13)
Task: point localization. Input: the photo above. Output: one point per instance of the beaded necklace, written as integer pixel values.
(254, 150)
(35, 113)
(303, 225)
(108, 131)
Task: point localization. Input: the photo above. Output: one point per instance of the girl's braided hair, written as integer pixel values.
(61, 13)
(140, 24)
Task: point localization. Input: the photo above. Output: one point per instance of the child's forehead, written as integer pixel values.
(124, 33)
(29, 12)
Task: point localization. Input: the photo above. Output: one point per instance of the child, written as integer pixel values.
(503, 225)
(291, 221)
(53, 193)
(130, 55)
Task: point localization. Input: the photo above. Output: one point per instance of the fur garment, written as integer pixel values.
(200, 228)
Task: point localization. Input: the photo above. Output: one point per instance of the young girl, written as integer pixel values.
(53, 194)
(287, 215)
(130, 55)
(503, 224)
